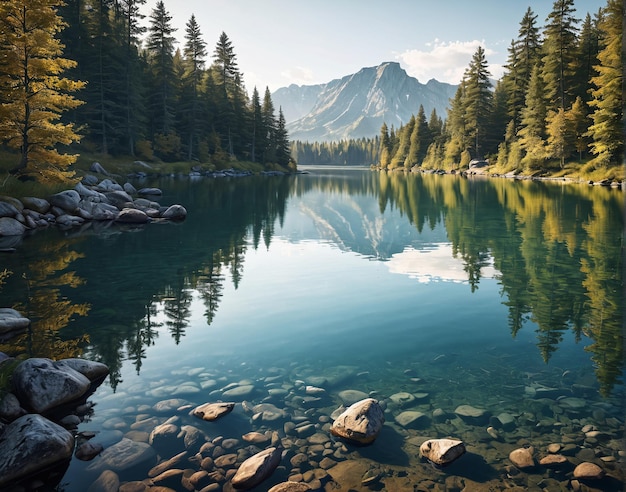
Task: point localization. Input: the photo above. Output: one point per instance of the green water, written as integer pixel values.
(503, 295)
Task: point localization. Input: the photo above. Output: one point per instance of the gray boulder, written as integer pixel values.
(108, 185)
(10, 408)
(37, 204)
(256, 469)
(96, 167)
(175, 212)
(11, 320)
(130, 189)
(124, 455)
(442, 452)
(30, 444)
(11, 227)
(90, 180)
(92, 370)
(100, 211)
(68, 220)
(13, 201)
(65, 200)
(118, 198)
(132, 216)
(83, 191)
(150, 191)
(360, 422)
(8, 210)
(43, 384)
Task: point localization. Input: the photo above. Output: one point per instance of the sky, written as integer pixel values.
(282, 42)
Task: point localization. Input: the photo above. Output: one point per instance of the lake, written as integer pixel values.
(295, 295)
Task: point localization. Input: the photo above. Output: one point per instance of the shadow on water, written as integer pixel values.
(472, 466)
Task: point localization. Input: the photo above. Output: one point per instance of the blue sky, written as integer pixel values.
(280, 42)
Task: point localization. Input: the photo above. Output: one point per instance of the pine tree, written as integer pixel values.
(194, 58)
(533, 121)
(160, 49)
(33, 93)
(560, 142)
(258, 138)
(283, 156)
(478, 102)
(385, 147)
(269, 128)
(559, 58)
(607, 97)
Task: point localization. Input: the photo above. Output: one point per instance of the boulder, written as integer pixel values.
(256, 469)
(118, 198)
(11, 227)
(68, 220)
(150, 191)
(90, 180)
(42, 384)
(12, 320)
(108, 185)
(10, 408)
(13, 201)
(83, 191)
(412, 419)
(442, 452)
(588, 471)
(94, 371)
(523, 457)
(360, 422)
(125, 455)
(8, 210)
(100, 211)
(212, 411)
(65, 200)
(471, 415)
(130, 189)
(348, 397)
(96, 167)
(30, 444)
(132, 216)
(175, 212)
(37, 204)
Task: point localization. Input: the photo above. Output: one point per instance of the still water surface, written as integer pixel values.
(505, 296)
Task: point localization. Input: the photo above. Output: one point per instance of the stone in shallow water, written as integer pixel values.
(29, 444)
(268, 412)
(348, 397)
(238, 392)
(470, 413)
(124, 455)
(255, 438)
(256, 469)
(588, 471)
(523, 457)
(290, 487)
(402, 399)
(442, 452)
(360, 422)
(108, 481)
(553, 460)
(411, 418)
(213, 411)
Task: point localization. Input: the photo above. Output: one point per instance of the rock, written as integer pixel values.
(88, 451)
(10, 408)
(290, 487)
(83, 191)
(442, 452)
(360, 422)
(37, 204)
(42, 384)
(29, 444)
(124, 455)
(348, 397)
(99, 211)
(523, 457)
(118, 198)
(8, 210)
(132, 216)
(268, 412)
(12, 320)
(96, 167)
(402, 399)
(256, 469)
(552, 460)
(150, 191)
(164, 438)
(14, 202)
(167, 464)
(108, 481)
(588, 471)
(65, 200)
(505, 421)
(69, 220)
(94, 371)
(411, 419)
(175, 212)
(130, 189)
(11, 227)
(238, 392)
(255, 438)
(107, 185)
(471, 414)
(213, 411)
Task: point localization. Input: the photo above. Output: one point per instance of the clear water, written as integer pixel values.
(506, 296)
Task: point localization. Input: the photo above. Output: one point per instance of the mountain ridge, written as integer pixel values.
(356, 105)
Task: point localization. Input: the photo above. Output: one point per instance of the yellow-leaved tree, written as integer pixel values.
(33, 92)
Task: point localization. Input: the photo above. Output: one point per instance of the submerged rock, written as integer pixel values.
(588, 471)
(523, 457)
(290, 487)
(213, 411)
(360, 422)
(256, 469)
(442, 452)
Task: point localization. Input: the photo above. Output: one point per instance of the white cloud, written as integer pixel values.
(298, 75)
(445, 61)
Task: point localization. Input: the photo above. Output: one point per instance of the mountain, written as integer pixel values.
(356, 105)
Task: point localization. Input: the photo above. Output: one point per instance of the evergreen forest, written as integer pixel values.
(558, 107)
(94, 76)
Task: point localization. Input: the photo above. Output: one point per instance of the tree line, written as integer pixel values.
(138, 94)
(559, 101)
